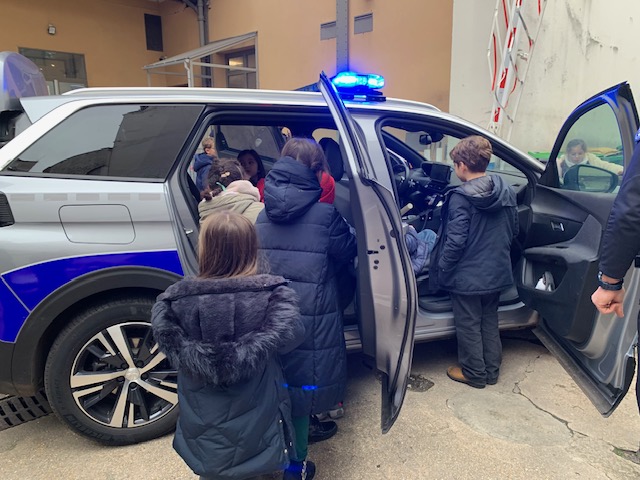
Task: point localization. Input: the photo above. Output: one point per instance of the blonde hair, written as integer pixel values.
(227, 246)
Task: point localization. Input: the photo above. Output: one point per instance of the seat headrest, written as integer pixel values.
(333, 154)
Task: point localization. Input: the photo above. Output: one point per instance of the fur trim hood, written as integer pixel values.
(222, 331)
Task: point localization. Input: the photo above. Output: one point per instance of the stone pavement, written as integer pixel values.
(534, 424)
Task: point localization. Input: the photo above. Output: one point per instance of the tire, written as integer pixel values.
(106, 378)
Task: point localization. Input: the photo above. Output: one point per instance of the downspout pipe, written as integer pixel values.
(202, 10)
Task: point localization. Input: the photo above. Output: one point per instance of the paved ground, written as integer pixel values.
(534, 424)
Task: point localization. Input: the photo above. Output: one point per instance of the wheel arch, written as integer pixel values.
(45, 322)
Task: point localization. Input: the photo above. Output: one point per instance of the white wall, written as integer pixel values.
(584, 46)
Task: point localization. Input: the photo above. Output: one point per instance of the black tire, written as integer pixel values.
(106, 379)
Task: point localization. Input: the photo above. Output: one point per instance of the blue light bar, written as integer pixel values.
(355, 80)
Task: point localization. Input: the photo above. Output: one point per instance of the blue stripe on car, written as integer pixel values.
(12, 314)
(34, 283)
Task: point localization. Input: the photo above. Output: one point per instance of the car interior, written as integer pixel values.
(417, 161)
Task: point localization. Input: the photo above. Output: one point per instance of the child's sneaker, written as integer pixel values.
(304, 470)
(336, 412)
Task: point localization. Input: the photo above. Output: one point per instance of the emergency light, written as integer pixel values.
(359, 86)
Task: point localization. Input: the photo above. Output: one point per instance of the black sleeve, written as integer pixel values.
(459, 219)
(621, 240)
(283, 318)
(342, 243)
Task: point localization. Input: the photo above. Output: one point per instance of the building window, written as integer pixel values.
(241, 78)
(363, 23)
(328, 31)
(153, 32)
(63, 71)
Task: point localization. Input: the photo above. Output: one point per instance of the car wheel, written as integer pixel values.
(106, 377)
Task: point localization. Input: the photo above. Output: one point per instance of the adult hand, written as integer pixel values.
(609, 301)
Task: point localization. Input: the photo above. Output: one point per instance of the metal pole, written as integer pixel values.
(203, 24)
(342, 35)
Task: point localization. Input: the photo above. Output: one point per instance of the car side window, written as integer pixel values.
(433, 146)
(232, 139)
(591, 157)
(130, 141)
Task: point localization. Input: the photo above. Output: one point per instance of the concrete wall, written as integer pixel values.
(584, 46)
(110, 34)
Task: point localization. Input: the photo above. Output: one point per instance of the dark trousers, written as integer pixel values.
(479, 346)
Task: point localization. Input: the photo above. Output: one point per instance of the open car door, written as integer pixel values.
(558, 270)
(387, 294)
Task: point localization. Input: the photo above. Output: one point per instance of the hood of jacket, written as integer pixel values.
(202, 160)
(242, 187)
(217, 330)
(488, 193)
(290, 190)
(240, 197)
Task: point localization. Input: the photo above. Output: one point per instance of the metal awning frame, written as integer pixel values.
(191, 59)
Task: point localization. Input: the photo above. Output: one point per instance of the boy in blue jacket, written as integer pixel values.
(471, 259)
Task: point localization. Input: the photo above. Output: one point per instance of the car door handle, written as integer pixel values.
(557, 226)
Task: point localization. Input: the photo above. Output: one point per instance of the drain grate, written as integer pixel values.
(17, 410)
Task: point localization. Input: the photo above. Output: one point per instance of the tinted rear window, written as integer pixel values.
(133, 141)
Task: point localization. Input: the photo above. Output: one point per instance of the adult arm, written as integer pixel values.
(621, 240)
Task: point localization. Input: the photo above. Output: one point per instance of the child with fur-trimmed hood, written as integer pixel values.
(224, 331)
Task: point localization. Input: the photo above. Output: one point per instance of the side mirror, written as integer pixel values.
(587, 178)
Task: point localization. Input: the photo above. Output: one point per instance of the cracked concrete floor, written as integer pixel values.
(534, 424)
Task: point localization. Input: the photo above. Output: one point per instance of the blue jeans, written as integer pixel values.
(429, 237)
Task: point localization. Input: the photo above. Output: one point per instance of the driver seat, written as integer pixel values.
(333, 154)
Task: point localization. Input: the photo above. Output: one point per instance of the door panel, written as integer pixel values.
(564, 240)
(387, 290)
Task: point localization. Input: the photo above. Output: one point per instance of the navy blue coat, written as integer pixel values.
(224, 336)
(621, 240)
(472, 255)
(308, 243)
(202, 165)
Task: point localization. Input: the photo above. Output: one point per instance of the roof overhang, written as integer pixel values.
(206, 50)
(193, 58)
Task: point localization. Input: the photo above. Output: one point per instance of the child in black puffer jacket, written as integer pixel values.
(224, 331)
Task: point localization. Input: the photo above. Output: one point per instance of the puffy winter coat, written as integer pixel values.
(240, 196)
(224, 336)
(308, 243)
(472, 254)
(202, 165)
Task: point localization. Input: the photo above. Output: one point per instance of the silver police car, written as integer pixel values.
(98, 215)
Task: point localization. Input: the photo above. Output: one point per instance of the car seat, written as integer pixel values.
(333, 154)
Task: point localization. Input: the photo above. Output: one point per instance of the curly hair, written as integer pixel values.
(221, 174)
(474, 151)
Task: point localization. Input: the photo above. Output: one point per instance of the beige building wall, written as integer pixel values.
(109, 33)
(410, 43)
